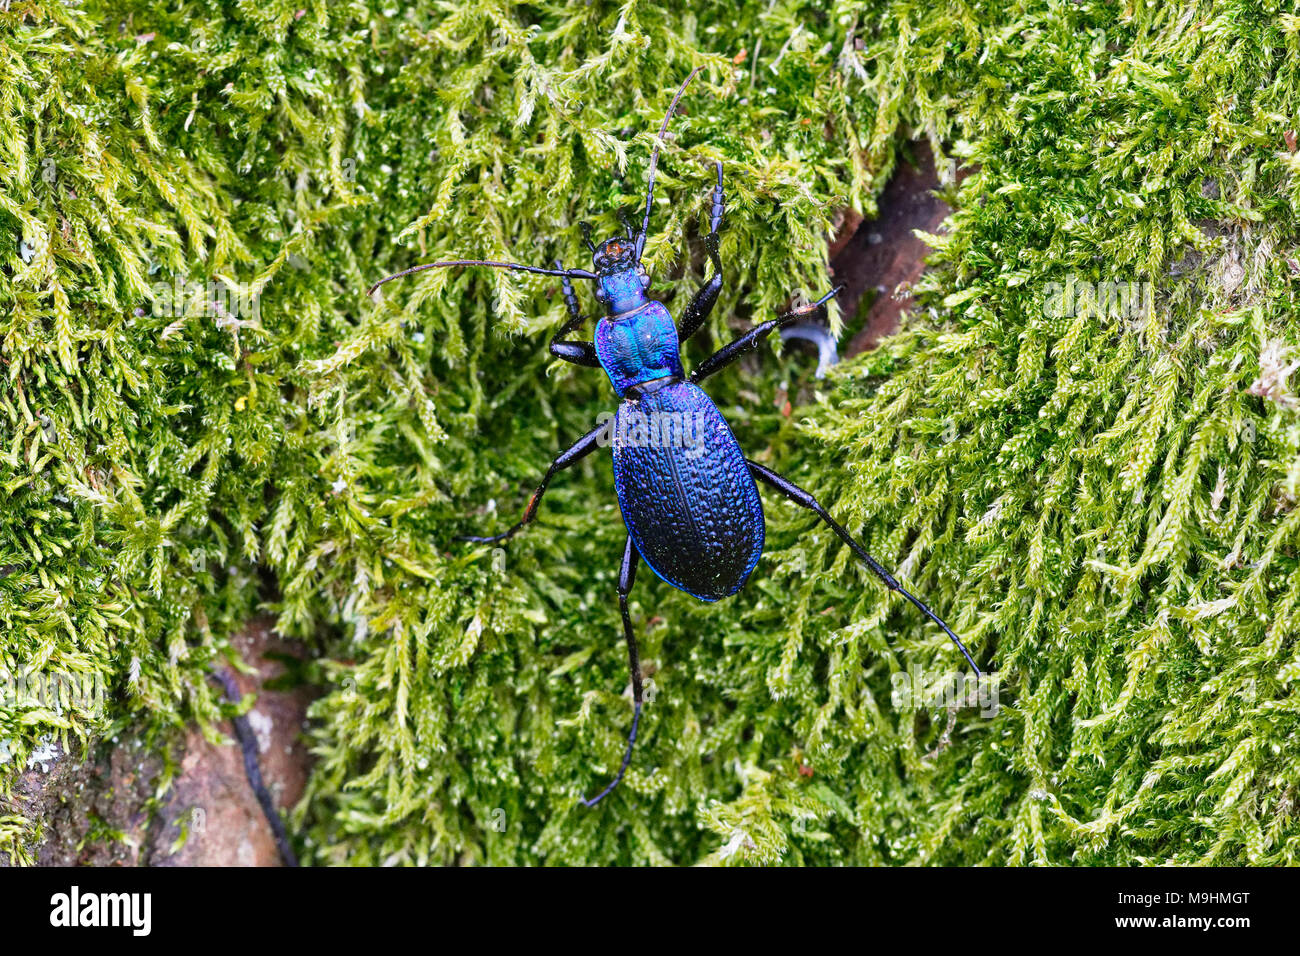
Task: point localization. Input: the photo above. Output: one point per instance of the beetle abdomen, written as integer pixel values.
(686, 492)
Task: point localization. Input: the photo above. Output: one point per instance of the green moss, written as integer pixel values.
(1104, 509)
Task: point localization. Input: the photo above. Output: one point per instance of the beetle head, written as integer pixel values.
(621, 280)
(615, 255)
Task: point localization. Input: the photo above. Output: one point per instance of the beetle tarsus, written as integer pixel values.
(579, 450)
(806, 500)
(739, 346)
(626, 578)
(697, 312)
(627, 760)
(715, 214)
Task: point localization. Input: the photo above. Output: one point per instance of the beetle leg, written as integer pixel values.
(579, 450)
(702, 304)
(732, 351)
(579, 353)
(626, 578)
(805, 500)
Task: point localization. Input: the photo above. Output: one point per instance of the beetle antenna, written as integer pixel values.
(654, 162)
(512, 266)
(586, 235)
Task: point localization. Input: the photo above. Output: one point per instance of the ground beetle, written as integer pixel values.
(691, 508)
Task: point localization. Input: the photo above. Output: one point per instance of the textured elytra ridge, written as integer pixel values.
(1103, 508)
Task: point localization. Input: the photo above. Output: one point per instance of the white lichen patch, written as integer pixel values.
(1275, 367)
(47, 752)
(262, 727)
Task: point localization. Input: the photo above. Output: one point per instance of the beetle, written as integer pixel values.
(691, 508)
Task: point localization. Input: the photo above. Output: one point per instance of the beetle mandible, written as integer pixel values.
(692, 510)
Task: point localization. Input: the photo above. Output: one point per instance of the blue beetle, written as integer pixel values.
(688, 494)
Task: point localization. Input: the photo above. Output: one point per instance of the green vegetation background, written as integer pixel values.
(1105, 509)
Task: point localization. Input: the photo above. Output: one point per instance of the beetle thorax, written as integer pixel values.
(638, 346)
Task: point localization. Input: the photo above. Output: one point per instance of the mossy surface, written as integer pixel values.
(1102, 504)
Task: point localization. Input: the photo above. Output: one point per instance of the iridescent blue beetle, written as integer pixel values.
(687, 492)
